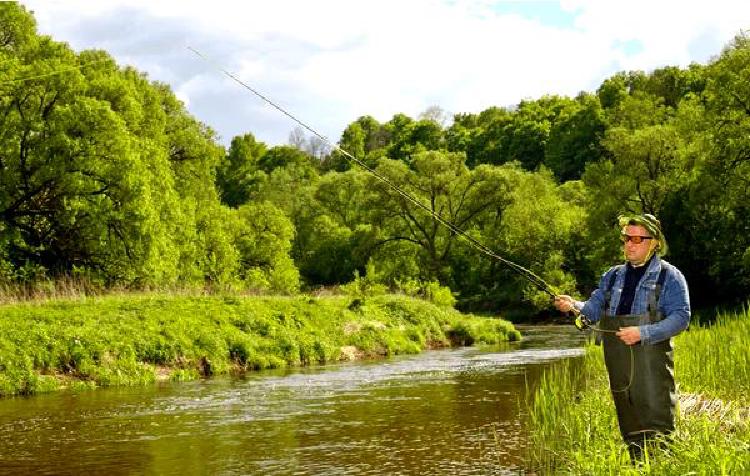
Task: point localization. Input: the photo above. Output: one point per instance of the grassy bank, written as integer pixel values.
(574, 426)
(127, 340)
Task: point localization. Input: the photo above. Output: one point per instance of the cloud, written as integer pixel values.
(331, 61)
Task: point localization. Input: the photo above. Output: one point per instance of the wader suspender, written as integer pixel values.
(653, 299)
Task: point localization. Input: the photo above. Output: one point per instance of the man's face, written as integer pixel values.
(637, 253)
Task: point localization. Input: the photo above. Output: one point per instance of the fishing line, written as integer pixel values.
(581, 321)
(526, 273)
(55, 72)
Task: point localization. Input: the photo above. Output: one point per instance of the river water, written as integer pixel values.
(452, 412)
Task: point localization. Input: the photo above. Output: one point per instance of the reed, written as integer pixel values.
(573, 426)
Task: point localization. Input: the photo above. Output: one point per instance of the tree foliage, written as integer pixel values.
(106, 174)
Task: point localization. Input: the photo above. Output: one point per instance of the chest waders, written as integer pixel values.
(640, 376)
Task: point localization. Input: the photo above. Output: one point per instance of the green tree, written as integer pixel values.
(520, 135)
(575, 138)
(340, 237)
(101, 171)
(443, 183)
(236, 174)
(647, 163)
(74, 177)
(366, 139)
(284, 156)
(263, 238)
(540, 229)
(461, 133)
(17, 31)
(672, 84)
(482, 137)
(712, 213)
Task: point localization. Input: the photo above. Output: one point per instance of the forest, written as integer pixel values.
(106, 178)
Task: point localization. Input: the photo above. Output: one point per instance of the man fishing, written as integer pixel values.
(640, 306)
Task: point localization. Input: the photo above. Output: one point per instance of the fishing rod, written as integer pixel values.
(581, 321)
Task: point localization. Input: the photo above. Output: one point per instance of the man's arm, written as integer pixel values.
(592, 308)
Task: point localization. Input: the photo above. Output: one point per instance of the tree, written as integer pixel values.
(460, 135)
(297, 138)
(284, 156)
(101, 171)
(76, 187)
(236, 174)
(482, 136)
(540, 229)
(646, 163)
(712, 212)
(443, 183)
(399, 130)
(520, 135)
(435, 114)
(337, 239)
(574, 139)
(263, 238)
(17, 30)
(366, 139)
(317, 148)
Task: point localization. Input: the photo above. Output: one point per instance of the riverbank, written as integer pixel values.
(139, 339)
(573, 425)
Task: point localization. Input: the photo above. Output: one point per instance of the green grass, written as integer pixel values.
(138, 339)
(715, 360)
(573, 426)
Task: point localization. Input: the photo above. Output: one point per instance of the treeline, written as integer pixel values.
(105, 174)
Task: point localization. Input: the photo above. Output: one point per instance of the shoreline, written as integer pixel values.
(145, 338)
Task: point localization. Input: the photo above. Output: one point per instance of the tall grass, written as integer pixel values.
(715, 360)
(573, 425)
(62, 287)
(134, 339)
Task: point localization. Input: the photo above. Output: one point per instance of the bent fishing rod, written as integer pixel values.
(581, 321)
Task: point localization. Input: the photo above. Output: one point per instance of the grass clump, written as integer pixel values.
(138, 339)
(573, 425)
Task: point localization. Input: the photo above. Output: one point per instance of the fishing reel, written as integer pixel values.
(581, 322)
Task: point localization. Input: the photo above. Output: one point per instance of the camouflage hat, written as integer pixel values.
(650, 223)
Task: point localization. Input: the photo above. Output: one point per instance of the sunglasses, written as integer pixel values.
(637, 239)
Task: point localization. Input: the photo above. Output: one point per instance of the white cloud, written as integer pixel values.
(331, 61)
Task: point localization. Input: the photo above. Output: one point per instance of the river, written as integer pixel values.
(452, 412)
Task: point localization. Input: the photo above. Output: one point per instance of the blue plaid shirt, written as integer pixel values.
(674, 301)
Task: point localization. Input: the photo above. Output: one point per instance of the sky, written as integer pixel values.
(329, 62)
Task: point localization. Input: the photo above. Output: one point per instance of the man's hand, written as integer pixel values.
(564, 303)
(629, 335)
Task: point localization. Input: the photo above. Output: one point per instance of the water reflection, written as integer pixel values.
(441, 412)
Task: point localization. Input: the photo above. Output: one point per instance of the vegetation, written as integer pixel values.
(131, 339)
(105, 176)
(107, 180)
(108, 184)
(574, 426)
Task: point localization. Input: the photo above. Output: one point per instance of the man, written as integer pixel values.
(640, 306)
